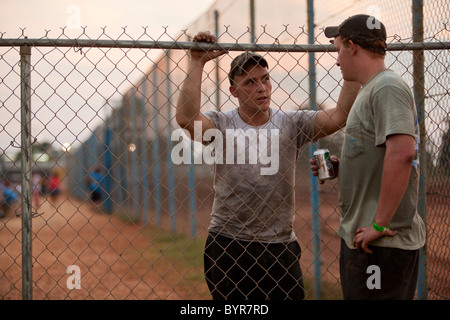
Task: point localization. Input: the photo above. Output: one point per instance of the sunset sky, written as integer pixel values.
(40, 15)
(282, 21)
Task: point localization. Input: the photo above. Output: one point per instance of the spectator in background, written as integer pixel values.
(8, 197)
(37, 188)
(2, 202)
(44, 185)
(94, 184)
(54, 186)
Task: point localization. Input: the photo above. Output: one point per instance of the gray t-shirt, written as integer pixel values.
(255, 172)
(384, 106)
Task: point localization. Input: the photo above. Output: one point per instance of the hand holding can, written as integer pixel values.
(324, 166)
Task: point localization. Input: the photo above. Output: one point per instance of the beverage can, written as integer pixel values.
(322, 158)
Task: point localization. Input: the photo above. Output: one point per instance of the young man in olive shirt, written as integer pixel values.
(380, 228)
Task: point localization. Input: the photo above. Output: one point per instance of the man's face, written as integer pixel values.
(344, 52)
(253, 88)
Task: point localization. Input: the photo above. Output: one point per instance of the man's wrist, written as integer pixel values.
(380, 228)
(197, 62)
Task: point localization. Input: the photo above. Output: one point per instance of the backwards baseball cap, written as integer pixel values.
(364, 30)
(243, 61)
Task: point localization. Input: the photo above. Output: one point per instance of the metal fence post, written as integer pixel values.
(314, 181)
(155, 151)
(419, 97)
(108, 167)
(133, 148)
(216, 31)
(172, 213)
(144, 161)
(25, 106)
(252, 21)
(122, 160)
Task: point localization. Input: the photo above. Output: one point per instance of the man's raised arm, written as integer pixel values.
(189, 100)
(331, 120)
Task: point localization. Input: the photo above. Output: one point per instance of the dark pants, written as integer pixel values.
(386, 274)
(240, 270)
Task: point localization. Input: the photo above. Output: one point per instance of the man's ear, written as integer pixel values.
(233, 91)
(353, 47)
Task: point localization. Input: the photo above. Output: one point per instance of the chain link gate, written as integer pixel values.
(109, 104)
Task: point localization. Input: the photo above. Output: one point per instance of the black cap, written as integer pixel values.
(242, 61)
(362, 29)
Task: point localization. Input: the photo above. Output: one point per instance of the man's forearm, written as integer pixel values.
(346, 98)
(189, 100)
(330, 120)
(345, 101)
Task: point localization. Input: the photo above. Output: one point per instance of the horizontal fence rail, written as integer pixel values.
(89, 43)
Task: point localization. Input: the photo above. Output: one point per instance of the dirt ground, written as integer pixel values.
(115, 258)
(121, 260)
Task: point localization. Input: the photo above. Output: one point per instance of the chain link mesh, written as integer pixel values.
(113, 108)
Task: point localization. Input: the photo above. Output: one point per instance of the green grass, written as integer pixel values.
(185, 253)
(179, 259)
(329, 290)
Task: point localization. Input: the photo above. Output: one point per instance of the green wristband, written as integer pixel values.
(378, 228)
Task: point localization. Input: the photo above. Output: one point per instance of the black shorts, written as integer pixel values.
(241, 270)
(386, 274)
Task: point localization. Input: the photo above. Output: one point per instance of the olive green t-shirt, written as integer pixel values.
(384, 106)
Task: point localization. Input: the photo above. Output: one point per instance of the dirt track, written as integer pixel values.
(121, 260)
(117, 260)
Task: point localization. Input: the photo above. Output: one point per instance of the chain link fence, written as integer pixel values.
(105, 106)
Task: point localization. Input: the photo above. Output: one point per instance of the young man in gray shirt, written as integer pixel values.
(252, 251)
